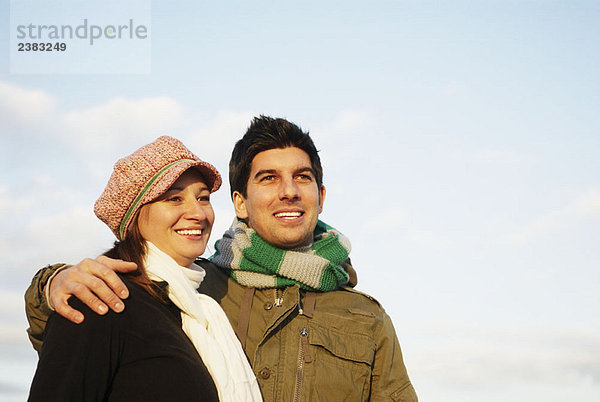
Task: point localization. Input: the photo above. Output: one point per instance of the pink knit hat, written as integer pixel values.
(143, 176)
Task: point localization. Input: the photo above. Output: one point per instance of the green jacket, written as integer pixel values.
(303, 346)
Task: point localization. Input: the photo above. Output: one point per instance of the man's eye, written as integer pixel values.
(267, 178)
(305, 177)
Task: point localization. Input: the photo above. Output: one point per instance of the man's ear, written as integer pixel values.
(239, 203)
(321, 198)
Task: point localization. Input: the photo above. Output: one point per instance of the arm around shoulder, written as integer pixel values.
(36, 306)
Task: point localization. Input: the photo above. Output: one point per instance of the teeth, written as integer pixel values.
(190, 232)
(288, 215)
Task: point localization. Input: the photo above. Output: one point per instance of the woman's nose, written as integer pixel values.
(195, 210)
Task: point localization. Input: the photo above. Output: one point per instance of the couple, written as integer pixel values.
(281, 276)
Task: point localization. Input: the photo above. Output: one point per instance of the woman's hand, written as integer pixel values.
(94, 282)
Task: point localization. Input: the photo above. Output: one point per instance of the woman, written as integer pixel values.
(171, 343)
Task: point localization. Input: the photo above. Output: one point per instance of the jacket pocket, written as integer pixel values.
(341, 363)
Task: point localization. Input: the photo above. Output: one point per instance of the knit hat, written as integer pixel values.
(143, 176)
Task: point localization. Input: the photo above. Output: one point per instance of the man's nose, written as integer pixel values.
(289, 189)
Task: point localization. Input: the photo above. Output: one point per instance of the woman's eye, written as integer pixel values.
(174, 199)
(205, 198)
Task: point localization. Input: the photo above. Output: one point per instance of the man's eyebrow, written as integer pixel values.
(305, 169)
(265, 171)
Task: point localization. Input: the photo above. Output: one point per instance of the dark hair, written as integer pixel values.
(133, 249)
(266, 133)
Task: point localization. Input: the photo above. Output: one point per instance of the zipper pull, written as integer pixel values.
(278, 299)
(305, 346)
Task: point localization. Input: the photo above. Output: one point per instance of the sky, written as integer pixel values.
(460, 142)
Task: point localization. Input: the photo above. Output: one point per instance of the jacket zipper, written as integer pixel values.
(278, 299)
(303, 356)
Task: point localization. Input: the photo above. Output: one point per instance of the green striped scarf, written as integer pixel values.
(253, 262)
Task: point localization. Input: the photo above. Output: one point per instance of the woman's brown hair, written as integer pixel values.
(133, 249)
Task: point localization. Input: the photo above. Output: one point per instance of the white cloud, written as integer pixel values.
(352, 121)
(337, 140)
(585, 205)
(23, 108)
(424, 237)
(453, 89)
(464, 356)
(12, 316)
(538, 227)
(215, 137)
(387, 221)
(122, 122)
(505, 156)
(11, 203)
(68, 236)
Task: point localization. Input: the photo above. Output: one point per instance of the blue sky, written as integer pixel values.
(460, 144)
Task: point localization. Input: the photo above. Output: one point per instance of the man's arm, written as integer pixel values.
(390, 378)
(94, 282)
(36, 308)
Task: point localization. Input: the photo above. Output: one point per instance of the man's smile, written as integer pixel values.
(288, 215)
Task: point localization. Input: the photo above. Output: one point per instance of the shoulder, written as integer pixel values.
(93, 327)
(351, 298)
(350, 308)
(369, 299)
(138, 299)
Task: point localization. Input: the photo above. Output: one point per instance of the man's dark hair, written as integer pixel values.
(266, 133)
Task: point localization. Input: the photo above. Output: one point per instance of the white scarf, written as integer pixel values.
(206, 324)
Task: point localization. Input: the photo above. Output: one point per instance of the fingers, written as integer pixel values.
(106, 271)
(94, 283)
(117, 265)
(69, 312)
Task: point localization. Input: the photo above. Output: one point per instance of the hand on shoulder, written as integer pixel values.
(94, 282)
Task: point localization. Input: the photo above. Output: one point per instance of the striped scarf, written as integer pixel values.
(253, 262)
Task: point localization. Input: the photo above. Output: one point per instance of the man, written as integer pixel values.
(282, 276)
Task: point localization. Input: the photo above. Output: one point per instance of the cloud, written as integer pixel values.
(454, 89)
(505, 156)
(387, 221)
(536, 228)
(585, 205)
(12, 317)
(336, 139)
(22, 108)
(122, 122)
(45, 237)
(464, 356)
(214, 137)
(76, 227)
(351, 121)
(11, 204)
